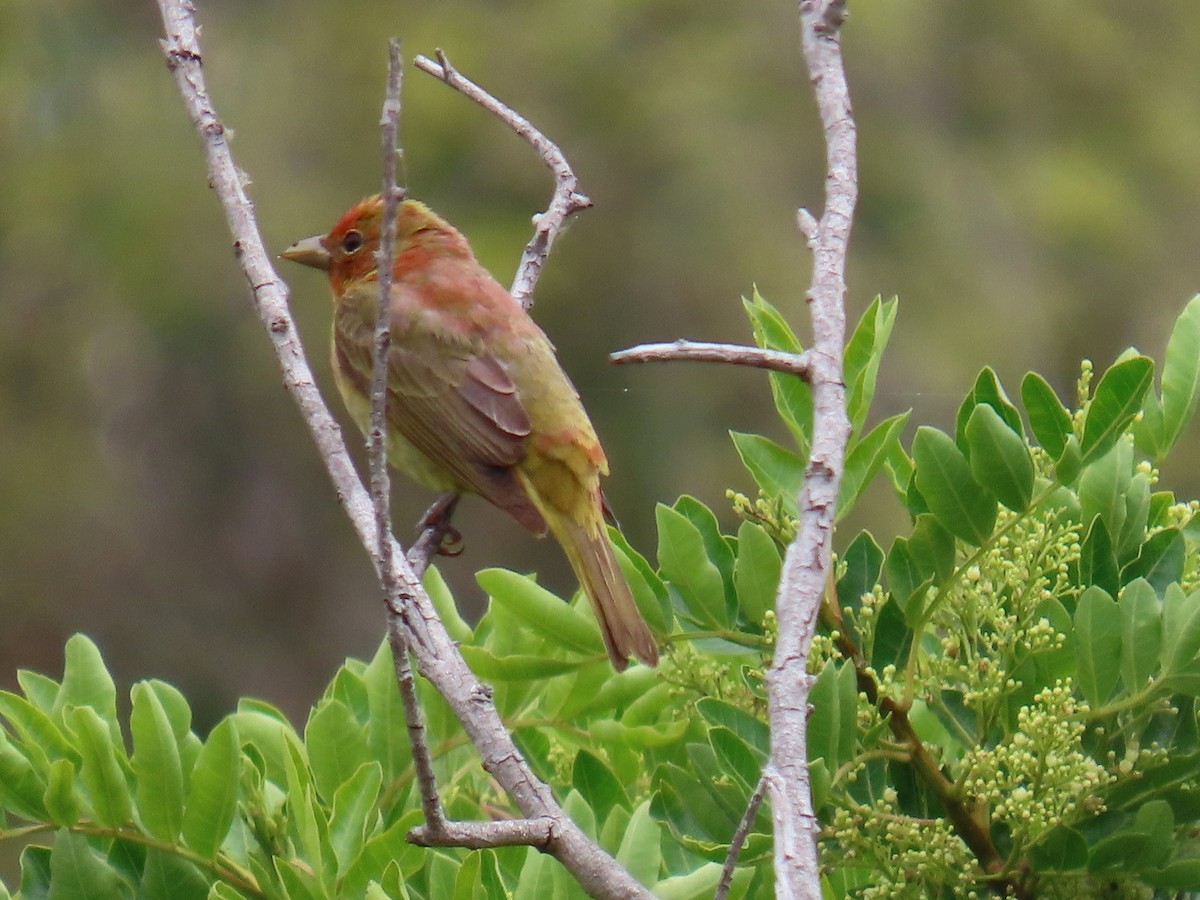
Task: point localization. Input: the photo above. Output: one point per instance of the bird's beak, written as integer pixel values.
(308, 252)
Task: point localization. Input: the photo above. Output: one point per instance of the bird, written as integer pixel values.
(477, 401)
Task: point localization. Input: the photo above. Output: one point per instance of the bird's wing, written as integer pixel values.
(454, 401)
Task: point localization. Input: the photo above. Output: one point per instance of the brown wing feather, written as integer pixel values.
(454, 402)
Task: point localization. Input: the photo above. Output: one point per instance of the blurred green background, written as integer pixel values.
(1030, 190)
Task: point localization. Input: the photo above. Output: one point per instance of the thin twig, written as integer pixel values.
(437, 656)
(807, 562)
(481, 835)
(732, 354)
(567, 199)
(377, 442)
(739, 839)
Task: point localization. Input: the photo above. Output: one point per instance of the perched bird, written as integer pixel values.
(476, 399)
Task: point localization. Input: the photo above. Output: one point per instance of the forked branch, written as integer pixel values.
(437, 657)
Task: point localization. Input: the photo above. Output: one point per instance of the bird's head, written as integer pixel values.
(348, 253)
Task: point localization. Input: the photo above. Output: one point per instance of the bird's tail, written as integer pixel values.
(591, 555)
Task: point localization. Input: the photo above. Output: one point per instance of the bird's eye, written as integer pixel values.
(352, 241)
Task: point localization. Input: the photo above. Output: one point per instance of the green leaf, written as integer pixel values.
(213, 792)
(736, 757)
(1097, 562)
(22, 789)
(752, 731)
(167, 876)
(1180, 377)
(597, 784)
(1141, 633)
(1000, 460)
(101, 772)
(792, 395)
(516, 668)
(1103, 486)
(156, 765)
(640, 852)
(863, 560)
(86, 682)
(1097, 639)
(905, 574)
(354, 814)
(62, 797)
(944, 478)
(35, 727)
(1062, 849)
(1160, 560)
(542, 611)
(866, 457)
(756, 572)
(77, 872)
(987, 391)
(336, 745)
(1049, 421)
(443, 601)
(1181, 630)
(387, 728)
(777, 471)
(717, 547)
(649, 593)
(831, 725)
(685, 564)
(1117, 399)
(864, 352)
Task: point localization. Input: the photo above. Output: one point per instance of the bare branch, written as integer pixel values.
(731, 354)
(739, 839)
(567, 197)
(377, 442)
(482, 835)
(807, 563)
(437, 657)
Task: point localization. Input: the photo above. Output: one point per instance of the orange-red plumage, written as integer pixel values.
(476, 399)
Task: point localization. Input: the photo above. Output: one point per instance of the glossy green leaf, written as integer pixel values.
(777, 471)
(213, 791)
(750, 729)
(62, 799)
(831, 725)
(999, 459)
(597, 784)
(864, 352)
(1141, 633)
(792, 395)
(717, 547)
(865, 459)
(1062, 849)
(1097, 645)
(736, 758)
(1160, 560)
(77, 872)
(22, 789)
(156, 765)
(1103, 486)
(33, 726)
(905, 574)
(1180, 385)
(1049, 421)
(354, 814)
(86, 682)
(987, 391)
(387, 728)
(944, 478)
(756, 572)
(337, 746)
(640, 851)
(168, 876)
(1097, 561)
(1116, 400)
(541, 610)
(443, 601)
(685, 564)
(101, 773)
